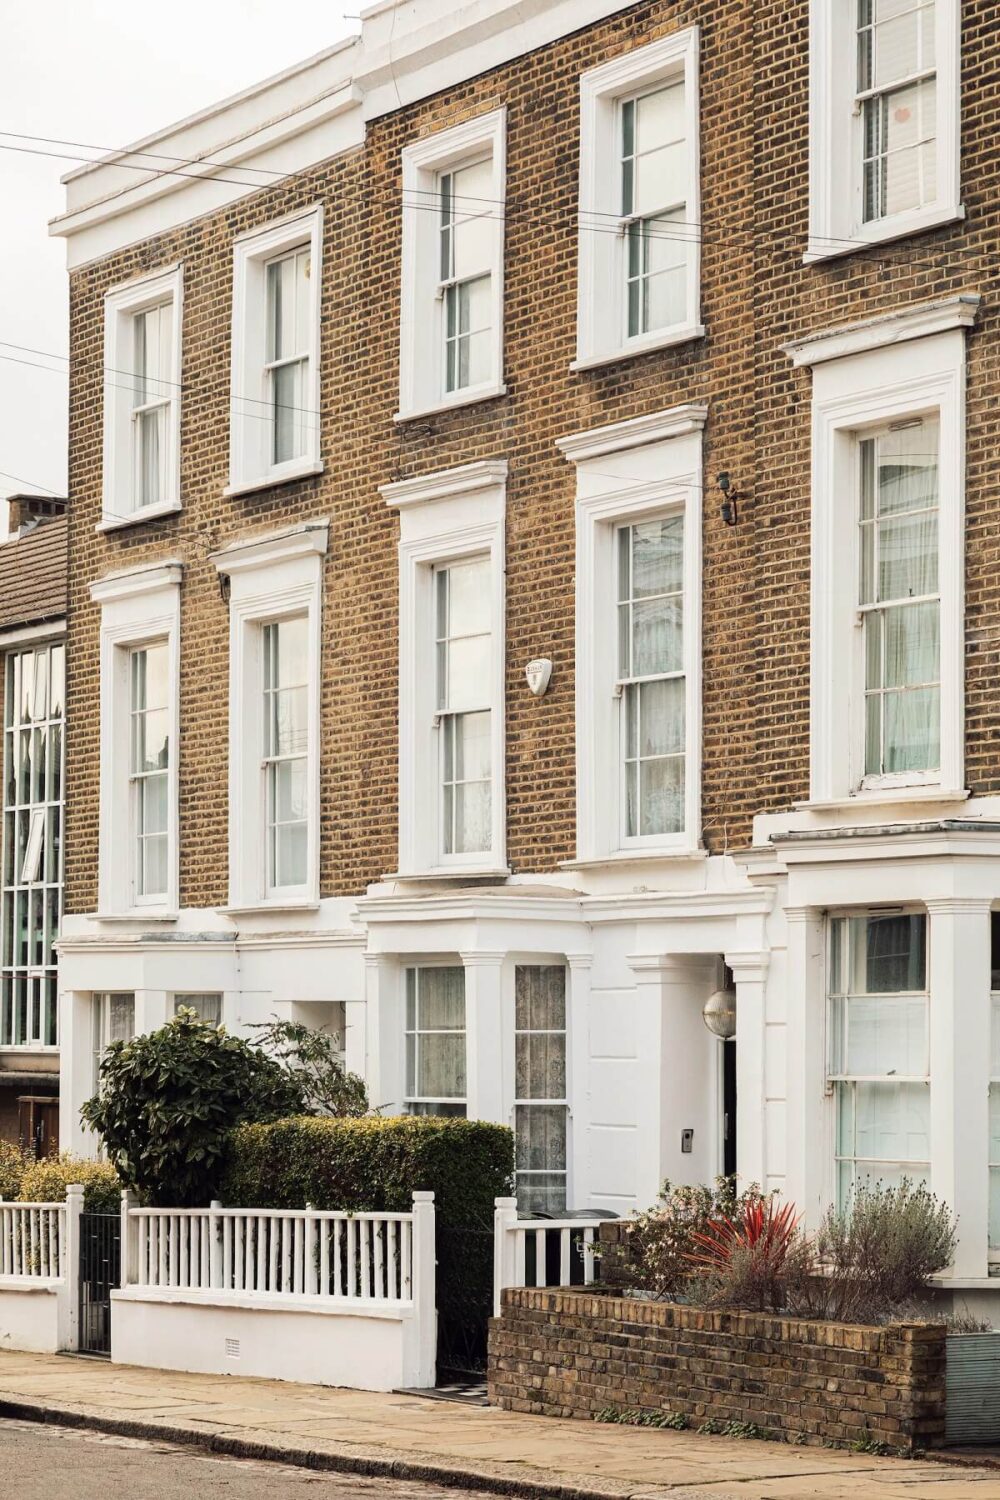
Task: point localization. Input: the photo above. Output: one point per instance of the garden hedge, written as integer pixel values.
(375, 1163)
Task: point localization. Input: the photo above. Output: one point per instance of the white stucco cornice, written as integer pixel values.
(466, 479)
(277, 546)
(654, 427)
(143, 579)
(896, 327)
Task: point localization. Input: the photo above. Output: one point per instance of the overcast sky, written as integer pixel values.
(107, 73)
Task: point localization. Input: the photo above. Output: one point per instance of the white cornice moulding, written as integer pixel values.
(656, 427)
(897, 327)
(277, 546)
(445, 483)
(139, 580)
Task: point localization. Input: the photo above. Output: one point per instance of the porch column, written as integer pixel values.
(959, 983)
(354, 1037)
(489, 1040)
(809, 1156)
(677, 1085)
(76, 1070)
(579, 966)
(384, 1034)
(750, 975)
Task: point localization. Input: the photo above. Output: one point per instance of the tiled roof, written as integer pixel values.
(33, 570)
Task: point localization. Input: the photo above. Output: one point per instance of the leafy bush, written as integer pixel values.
(655, 1254)
(169, 1098)
(310, 1056)
(371, 1164)
(754, 1258)
(882, 1251)
(13, 1164)
(46, 1181)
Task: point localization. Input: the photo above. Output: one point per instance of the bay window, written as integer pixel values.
(451, 331)
(275, 387)
(884, 120)
(639, 236)
(113, 1018)
(142, 399)
(149, 774)
(207, 1007)
(540, 1107)
(31, 889)
(899, 598)
(435, 1041)
(878, 1067)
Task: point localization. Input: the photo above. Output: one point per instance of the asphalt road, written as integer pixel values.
(45, 1463)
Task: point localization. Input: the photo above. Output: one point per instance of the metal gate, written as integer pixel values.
(464, 1302)
(972, 1389)
(100, 1270)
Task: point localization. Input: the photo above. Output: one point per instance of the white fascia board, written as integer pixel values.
(896, 327)
(411, 51)
(655, 427)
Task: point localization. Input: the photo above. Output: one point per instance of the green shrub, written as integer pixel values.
(46, 1181)
(311, 1057)
(13, 1164)
(655, 1255)
(881, 1252)
(169, 1098)
(371, 1164)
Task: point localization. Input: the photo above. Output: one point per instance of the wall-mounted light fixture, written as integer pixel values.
(729, 509)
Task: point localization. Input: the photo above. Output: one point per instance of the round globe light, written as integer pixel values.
(719, 1014)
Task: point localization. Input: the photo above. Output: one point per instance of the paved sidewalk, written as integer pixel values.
(473, 1448)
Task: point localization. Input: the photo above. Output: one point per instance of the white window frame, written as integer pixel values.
(565, 1103)
(865, 376)
(433, 1104)
(274, 577)
(186, 998)
(634, 470)
(602, 328)
(835, 206)
(121, 305)
(446, 517)
(422, 309)
(250, 465)
(139, 607)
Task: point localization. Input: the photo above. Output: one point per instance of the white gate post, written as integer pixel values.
(69, 1268)
(504, 1271)
(424, 1290)
(215, 1245)
(130, 1240)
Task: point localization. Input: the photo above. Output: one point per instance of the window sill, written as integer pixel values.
(148, 513)
(20, 1049)
(452, 403)
(138, 914)
(634, 857)
(647, 345)
(883, 796)
(896, 228)
(263, 907)
(304, 470)
(451, 872)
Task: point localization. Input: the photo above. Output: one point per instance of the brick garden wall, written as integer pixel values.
(575, 1354)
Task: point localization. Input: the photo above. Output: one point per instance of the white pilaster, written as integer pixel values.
(810, 1173)
(384, 1069)
(578, 1076)
(76, 1071)
(489, 1040)
(959, 949)
(750, 976)
(355, 1060)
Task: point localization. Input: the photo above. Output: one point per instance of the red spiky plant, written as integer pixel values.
(752, 1256)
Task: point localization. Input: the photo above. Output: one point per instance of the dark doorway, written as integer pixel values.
(729, 1108)
(100, 1272)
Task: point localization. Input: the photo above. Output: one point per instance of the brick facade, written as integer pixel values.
(575, 1354)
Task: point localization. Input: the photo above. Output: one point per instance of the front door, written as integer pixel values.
(729, 1108)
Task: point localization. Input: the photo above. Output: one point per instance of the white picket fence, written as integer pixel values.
(33, 1240)
(39, 1260)
(312, 1253)
(515, 1239)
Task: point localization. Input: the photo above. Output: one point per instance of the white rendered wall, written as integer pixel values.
(32, 1319)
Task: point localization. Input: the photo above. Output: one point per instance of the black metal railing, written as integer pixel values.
(100, 1270)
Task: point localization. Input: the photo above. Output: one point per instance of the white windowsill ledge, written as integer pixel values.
(450, 872)
(147, 513)
(646, 345)
(883, 797)
(633, 857)
(465, 398)
(966, 1283)
(305, 470)
(28, 1049)
(884, 231)
(137, 914)
(263, 907)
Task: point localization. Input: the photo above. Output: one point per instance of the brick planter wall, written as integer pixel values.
(573, 1354)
